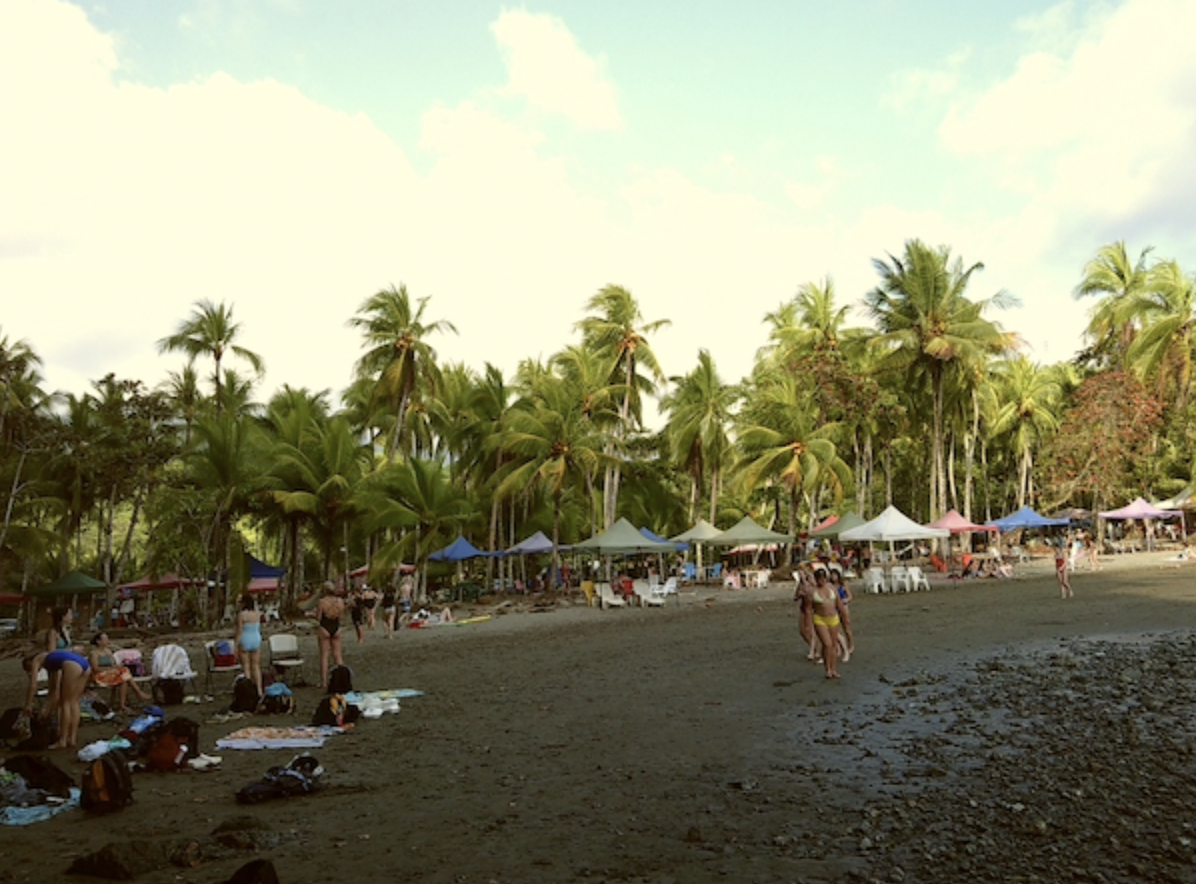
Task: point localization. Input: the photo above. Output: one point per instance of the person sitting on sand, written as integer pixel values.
(107, 671)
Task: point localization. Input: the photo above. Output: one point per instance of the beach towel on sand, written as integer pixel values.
(278, 737)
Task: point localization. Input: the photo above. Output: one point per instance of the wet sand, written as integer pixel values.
(695, 743)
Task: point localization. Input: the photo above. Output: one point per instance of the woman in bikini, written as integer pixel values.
(68, 677)
(328, 614)
(828, 609)
(249, 640)
(107, 671)
(846, 638)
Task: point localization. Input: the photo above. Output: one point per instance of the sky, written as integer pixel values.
(292, 157)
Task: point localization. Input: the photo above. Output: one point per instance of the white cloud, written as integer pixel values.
(920, 86)
(547, 68)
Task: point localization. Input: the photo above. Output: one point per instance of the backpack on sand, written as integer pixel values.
(245, 695)
(107, 783)
(340, 680)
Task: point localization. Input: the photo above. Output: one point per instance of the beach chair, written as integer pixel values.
(608, 598)
(219, 663)
(1019, 554)
(285, 658)
(646, 594)
(587, 588)
(899, 579)
(170, 663)
(660, 594)
(874, 580)
(917, 580)
(130, 658)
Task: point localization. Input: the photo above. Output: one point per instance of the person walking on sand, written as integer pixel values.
(828, 611)
(846, 637)
(805, 614)
(329, 611)
(1061, 570)
(389, 610)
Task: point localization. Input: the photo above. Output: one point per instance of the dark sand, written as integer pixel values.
(695, 743)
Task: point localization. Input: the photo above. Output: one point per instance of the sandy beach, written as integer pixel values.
(985, 731)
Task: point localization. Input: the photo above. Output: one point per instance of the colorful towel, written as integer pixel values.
(278, 737)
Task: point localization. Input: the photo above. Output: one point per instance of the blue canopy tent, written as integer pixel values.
(537, 543)
(1026, 518)
(458, 551)
(679, 545)
(258, 569)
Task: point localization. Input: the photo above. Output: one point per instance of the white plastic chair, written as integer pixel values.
(285, 657)
(917, 579)
(899, 578)
(608, 598)
(874, 580)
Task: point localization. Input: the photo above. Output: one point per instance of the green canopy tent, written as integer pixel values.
(622, 539)
(71, 585)
(845, 522)
(748, 531)
(74, 583)
(698, 535)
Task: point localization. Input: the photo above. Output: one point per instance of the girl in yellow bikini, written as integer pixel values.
(828, 608)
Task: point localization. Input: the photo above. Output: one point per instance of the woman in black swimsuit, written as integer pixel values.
(357, 612)
(329, 612)
(389, 609)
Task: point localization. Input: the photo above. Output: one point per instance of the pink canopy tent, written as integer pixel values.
(150, 583)
(1140, 509)
(957, 524)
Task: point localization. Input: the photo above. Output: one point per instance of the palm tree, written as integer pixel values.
(397, 355)
(419, 495)
(780, 442)
(1030, 399)
(1163, 348)
(19, 381)
(926, 324)
(808, 324)
(554, 445)
(699, 413)
(617, 331)
(210, 331)
(1111, 276)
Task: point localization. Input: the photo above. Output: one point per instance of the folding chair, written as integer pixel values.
(219, 663)
(285, 657)
(171, 663)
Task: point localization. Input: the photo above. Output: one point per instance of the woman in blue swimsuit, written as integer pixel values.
(68, 673)
(249, 640)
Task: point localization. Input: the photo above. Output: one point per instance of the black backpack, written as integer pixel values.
(334, 712)
(187, 730)
(245, 695)
(258, 871)
(107, 783)
(168, 692)
(340, 680)
(39, 772)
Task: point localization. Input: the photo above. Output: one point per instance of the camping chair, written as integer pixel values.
(284, 657)
(171, 663)
(130, 658)
(219, 663)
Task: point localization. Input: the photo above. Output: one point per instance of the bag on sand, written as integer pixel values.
(300, 777)
(335, 712)
(15, 726)
(107, 783)
(39, 772)
(245, 695)
(340, 680)
(168, 692)
(258, 871)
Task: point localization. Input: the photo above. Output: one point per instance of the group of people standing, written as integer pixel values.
(825, 618)
(362, 606)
